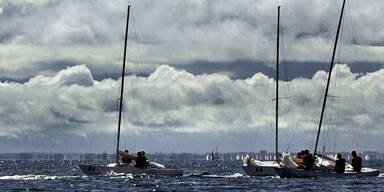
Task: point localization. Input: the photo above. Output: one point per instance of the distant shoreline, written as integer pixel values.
(262, 155)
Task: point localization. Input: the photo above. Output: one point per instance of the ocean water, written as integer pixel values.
(198, 176)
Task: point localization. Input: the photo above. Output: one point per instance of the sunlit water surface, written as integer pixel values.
(198, 176)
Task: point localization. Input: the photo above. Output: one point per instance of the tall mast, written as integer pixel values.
(277, 83)
(329, 77)
(122, 85)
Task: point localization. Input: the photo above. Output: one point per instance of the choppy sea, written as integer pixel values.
(198, 176)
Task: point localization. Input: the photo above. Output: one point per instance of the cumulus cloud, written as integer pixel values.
(180, 33)
(227, 49)
(176, 102)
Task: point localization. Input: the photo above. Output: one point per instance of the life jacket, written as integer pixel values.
(126, 159)
(307, 161)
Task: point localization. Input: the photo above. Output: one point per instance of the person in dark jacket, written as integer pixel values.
(307, 161)
(340, 164)
(142, 160)
(356, 162)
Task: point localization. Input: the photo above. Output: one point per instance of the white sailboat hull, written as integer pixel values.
(127, 169)
(284, 172)
(259, 168)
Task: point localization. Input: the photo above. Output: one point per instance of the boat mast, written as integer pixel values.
(122, 86)
(329, 77)
(277, 83)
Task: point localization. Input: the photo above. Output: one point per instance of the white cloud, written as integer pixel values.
(179, 102)
(39, 38)
(80, 75)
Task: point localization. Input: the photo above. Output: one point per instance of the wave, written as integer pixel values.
(36, 177)
(208, 175)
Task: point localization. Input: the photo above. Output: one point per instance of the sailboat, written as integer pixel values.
(120, 167)
(255, 167)
(214, 155)
(324, 162)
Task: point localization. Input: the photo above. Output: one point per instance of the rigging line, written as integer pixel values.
(300, 72)
(286, 75)
(267, 90)
(336, 103)
(135, 84)
(328, 125)
(335, 111)
(119, 58)
(338, 109)
(332, 110)
(329, 77)
(164, 135)
(167, 145)
(339, 52)
(355, 45)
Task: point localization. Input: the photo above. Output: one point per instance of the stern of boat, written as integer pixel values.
(90, 169)
(259, 168)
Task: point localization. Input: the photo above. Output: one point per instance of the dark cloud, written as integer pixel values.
(39, 34)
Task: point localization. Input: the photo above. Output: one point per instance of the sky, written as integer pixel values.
(200, 74)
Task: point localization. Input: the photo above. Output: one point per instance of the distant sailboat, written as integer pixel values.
(324, 162)
(118, 167)
(213, 156)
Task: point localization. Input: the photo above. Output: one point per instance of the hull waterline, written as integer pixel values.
(284, 172)
(104, 170)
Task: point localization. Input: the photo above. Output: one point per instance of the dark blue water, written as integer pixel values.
(217, 176)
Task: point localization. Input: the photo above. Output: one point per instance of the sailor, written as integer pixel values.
(142, 160)
(356, 162)
(126, 159)
(340, 164)
(307, 160)
(299, 157)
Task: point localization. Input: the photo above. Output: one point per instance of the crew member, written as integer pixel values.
(142, 160)
(125, 158)
(340, 164)
(356, 162)
(307, 161)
